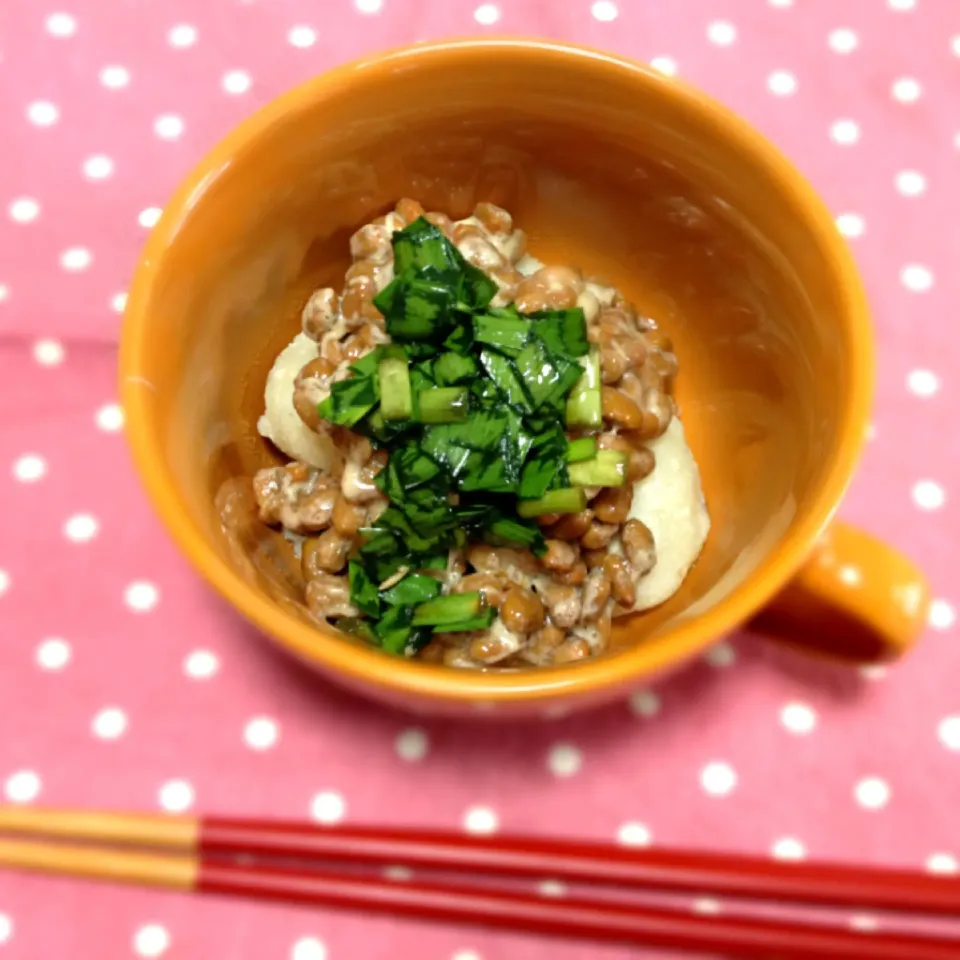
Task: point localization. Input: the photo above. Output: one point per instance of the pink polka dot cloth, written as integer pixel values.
(126, 683)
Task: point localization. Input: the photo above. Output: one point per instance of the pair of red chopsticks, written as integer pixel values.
(234, 856)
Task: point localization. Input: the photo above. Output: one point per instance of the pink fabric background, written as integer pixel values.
(126, 683)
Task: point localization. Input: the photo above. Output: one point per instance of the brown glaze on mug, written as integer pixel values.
(607, 165)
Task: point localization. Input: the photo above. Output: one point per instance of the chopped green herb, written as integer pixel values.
(452, 608)
(412, 589)
(607, 469)
(581, 449)
(443, 404)
(569, 500)
(584, 407)
(396, 400)
(472, 402)
(480, 622)
(508, 334)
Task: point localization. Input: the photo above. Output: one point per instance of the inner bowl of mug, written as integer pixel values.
(607, 166)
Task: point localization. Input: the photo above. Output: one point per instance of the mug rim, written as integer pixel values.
(401, 678)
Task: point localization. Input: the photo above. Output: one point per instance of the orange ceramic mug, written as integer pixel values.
(608, 166)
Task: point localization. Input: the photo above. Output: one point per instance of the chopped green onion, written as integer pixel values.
(411, 590)
(512, 533)
(452, 369)
(444, 404)
(581, 449)
(452, 608)
(567, 500)
(584, 407)
(506, 334)
(480, 622)
(396, 401)
(607, 469)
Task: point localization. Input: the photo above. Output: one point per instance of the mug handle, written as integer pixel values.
(856, 598)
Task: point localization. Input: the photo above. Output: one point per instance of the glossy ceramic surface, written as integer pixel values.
(608, 166)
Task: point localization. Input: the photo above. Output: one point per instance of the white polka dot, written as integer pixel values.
(872, 793)
(141, 596)
(782, 83)
(942, 863)
(949, 732)
(4, 582)
(923, 383)
(201, 664)
(845, 131)
(168, 127)
(22, 786)
(4, 292)
(236, 82)
(798, 718)
(788, 848)
(905, 89)
(302, 37)
(98, 167)
(901, 5)
(864, 923)
(76, 259)
(916, 277)
(850, 224)
(721, 655)
(29, 468)
(148, 218)
(53, 654)
(466, 955)
(109, 723)
(706, 906)
(564, 760)
(6, 928)
(873, 671)
(42, 113)
(645, 703)
(942, 615)
(24, 210)
(109, 418)
(261, 733)
(308, 948)
(722, 33)
(871, 432)
(910, 183)
(368, 7)
(487, 14)
(151, 940)
(718, 778)
(328, 807)
(552, 888)
(412, 744)
(118, 302)
(843, 40)
(666, 65)
(48, 353)
(604, 11)
(81, 527)
(182, 35)
(61, 25)
(928, 495)
(634, 834)
(480, 820)
(176, 796)
(398, 874)
(114, 77)
(850, 575)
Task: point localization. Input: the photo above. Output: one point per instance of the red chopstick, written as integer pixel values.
(205, 855)
(721, 875)
(748, 938)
